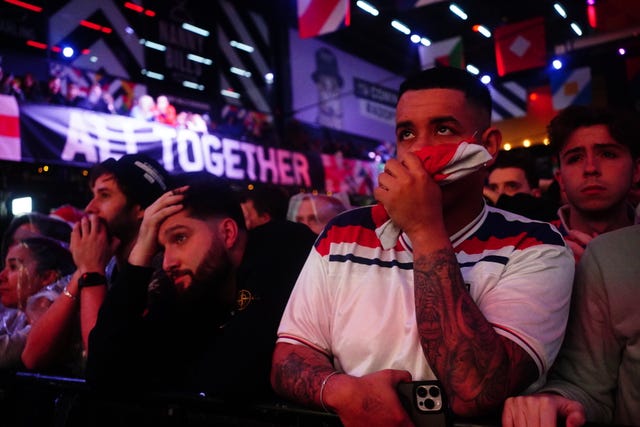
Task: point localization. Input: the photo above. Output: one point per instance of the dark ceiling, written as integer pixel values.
(373, 38)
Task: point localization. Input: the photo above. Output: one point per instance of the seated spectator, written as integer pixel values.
(513, 185)
(220, 298)
(144, 109)
(262, 204)
(596, 377)
(165, 112)
(598, 154)
(314, 211)
(30, 265)
(54, 93)
(98, 101)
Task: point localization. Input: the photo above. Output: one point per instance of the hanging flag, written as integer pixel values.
(520, 46)
(445, 52)
(411, 4)
(318, 17)
(9, 128)
(571, 87)
(509, 100)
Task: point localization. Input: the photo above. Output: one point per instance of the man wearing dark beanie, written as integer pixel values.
(100, 243)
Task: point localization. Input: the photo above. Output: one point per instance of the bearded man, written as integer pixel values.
(208, 320)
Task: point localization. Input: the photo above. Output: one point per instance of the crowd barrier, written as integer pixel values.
(30, 399)
(35, 400)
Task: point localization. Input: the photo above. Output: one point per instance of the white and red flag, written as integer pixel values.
(318, 17)
(9, 128)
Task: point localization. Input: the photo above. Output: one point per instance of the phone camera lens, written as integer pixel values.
(422, 391)
(434, 391)
(429, 404)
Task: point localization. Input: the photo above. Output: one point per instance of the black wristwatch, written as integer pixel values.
(91, 279)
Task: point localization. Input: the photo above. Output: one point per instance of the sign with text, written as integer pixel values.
(78, 137)
(339, 91)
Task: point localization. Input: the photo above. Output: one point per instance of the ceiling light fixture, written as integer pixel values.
(400, 27)
(370, 9)
(457, 11)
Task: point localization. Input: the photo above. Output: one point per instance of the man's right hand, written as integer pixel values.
(371, 400)
(542, 410)
(91, 245)
(146, 244)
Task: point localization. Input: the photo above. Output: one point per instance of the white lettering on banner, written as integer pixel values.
(95, 138)
(250, 152)
(231, 159)
(284, 166)
(213, 161)
(190, 154)
(267, 164)
(300, 169)
(378, 112)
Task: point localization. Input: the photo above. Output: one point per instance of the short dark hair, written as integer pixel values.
(518, 159)
(210, 196)
(623, 125)
(268, 199)
(451, 78)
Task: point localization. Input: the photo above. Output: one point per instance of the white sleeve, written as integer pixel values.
(530, 301)
(14, 328)
(307, 317)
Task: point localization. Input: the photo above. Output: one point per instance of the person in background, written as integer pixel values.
(165, 112)
(30, 265)
(97, 100)
(598, 153)
(34, 224)
(100, 244)
(262, 204)
(31, 89)
(144, 109)
(54, 95)
(596, 377)
(430, 283)
(73, 97)
(513, 185)
(11, 86)
(314, 210)
(207, 324)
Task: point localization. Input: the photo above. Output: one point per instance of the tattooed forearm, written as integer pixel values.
(476, 367)
(297, 373)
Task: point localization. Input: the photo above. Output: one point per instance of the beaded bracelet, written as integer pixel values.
(324, 383)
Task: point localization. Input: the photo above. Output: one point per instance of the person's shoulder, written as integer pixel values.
(617, 240)
(504, 223)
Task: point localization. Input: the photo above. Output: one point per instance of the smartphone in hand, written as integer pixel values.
(425, 403)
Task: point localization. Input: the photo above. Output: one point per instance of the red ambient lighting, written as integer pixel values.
(25, 5)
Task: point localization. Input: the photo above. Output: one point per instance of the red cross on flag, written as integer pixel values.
(9, 128)
(520, 46)
(318, 17)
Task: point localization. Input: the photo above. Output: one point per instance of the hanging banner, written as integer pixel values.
(72, 136)
(336, 90)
